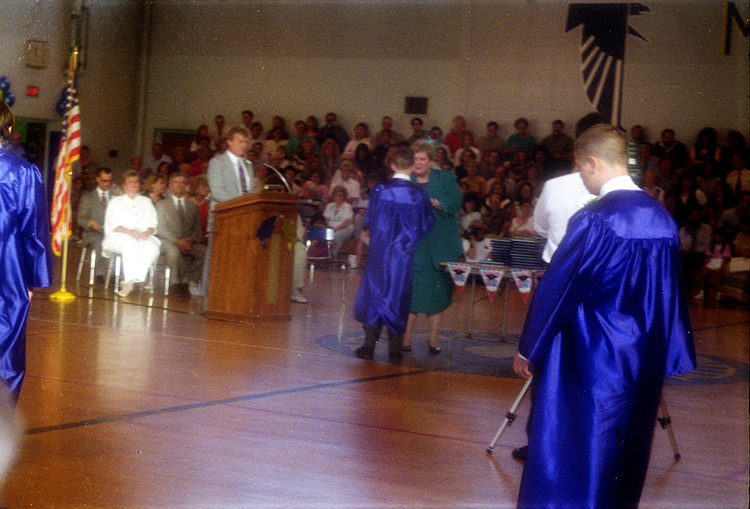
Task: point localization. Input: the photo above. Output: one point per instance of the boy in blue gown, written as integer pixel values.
(607, 323)
(24, 253)
(398, 215)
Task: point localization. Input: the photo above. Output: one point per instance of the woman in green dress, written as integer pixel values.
(433, 286)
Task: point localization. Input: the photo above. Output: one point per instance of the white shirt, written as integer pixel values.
(177, 200)
(336, 216)
(561, 198)
(353, 189)
(235, 164)
(352, 145)
(525, 228)
(621, 183)
(482, 250)
(154, 163)
(135, 214)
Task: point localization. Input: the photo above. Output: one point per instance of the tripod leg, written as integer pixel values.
(666, 423)
(509, 417)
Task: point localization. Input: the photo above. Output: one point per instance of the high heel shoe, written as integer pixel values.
(127, 287)
(434, 350)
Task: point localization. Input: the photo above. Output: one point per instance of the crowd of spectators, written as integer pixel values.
(705, 185)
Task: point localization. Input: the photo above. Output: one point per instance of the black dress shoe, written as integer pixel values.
(406, 349)
(395, 355)
(434, 350)
(519, 453)
(365, 352)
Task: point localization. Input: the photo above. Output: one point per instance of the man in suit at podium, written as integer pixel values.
(91, 216)
(181, 234)
(229, 175)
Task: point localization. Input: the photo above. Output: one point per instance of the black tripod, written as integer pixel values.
(664, 419)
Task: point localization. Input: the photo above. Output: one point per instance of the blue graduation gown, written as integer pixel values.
(608, 321)
(24, 259)
(399, 214)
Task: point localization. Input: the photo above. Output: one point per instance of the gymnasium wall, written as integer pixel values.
(487, 60)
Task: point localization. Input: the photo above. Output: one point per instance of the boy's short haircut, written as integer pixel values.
(603, 141)
(403, 158)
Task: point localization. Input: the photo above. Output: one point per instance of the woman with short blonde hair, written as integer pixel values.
(339, 215)
(129, 226)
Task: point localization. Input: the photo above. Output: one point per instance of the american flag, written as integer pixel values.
(70, 147)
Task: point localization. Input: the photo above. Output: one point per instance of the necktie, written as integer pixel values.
(243, 180)
(181, 211)
(104, 200)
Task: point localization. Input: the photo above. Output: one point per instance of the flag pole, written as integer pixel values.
(62, 295)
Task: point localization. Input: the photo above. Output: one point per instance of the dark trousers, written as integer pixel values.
(372, 335)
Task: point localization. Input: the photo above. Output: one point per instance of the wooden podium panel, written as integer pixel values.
(247, 280)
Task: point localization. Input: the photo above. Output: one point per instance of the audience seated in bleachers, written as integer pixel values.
(708, 181)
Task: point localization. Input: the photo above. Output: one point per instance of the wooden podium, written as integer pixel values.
(247, 280)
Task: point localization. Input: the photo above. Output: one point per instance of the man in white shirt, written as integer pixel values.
(361, 136)
(345, 177)
(561, 198)
(157, 157)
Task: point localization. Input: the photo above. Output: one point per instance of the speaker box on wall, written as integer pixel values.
(415, 106)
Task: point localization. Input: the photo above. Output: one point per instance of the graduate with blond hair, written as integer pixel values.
(607, 323)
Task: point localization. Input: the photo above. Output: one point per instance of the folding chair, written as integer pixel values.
(82, 261)
(116, 260)
(324, 236)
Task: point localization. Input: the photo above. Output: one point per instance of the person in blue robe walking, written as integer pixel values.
(607, 323)
(399, 214)
(24, 253)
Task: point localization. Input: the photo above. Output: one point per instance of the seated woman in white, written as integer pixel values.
(338, 215)
(129, 226)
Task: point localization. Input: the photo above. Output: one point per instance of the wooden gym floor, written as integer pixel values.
(143, 402)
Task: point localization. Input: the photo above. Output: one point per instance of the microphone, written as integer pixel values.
(277, 172)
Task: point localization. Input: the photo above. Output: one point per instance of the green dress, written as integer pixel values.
(433, 286)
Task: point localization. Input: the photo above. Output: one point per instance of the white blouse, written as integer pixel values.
(337, 216)
(136, 214)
